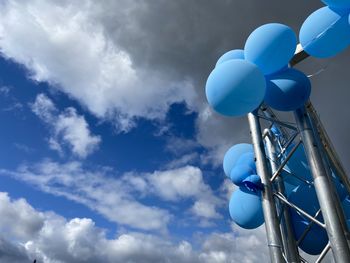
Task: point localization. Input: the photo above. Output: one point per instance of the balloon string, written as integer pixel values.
(318, 71)
(323, 32)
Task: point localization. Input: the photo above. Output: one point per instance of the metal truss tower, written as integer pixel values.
(271, 158)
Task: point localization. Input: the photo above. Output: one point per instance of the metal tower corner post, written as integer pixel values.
(337, 238)
(288, 238)
(273, 233)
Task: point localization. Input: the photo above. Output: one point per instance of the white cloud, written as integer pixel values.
(23, 219)
(206, 209)
(64, 44)
(5, 91)
(67, 127)
(13, 253)
(97, 189)
(75, 131)
(81, 49)
(57, 239)
(239, 246)
(54, 239)
(178, 184)
(44, 108)
(120, 199)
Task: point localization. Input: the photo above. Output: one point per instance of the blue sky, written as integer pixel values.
(152, 149)
(108, 149)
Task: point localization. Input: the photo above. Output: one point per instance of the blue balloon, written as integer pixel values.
(325, 33)
(253, 183)
(233, 154)
(339, 187)
(246, 209)
(270, 47)
(316, 240)
(287, 91)
(235, 88)
(298, 166)
(289, 188)
(240, 172)
(232, 54)
(346, 207)
(247, 159)
(342, 4)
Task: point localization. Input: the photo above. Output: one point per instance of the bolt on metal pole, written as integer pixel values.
(288, 238)
(325, 196)
(273, 233)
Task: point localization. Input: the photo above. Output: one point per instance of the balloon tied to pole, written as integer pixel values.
(244, 79)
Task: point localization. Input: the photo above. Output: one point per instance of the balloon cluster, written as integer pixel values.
(245, 203)
(326, 32)
(243, 79)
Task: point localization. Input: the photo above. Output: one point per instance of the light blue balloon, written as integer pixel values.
(240, 172)
(232, 54)
(233, 154)
(342, 4)
(247, 159)
(270, 47)
(246, 209)
(325, 33)
(235, 88)
(305, 197)
(288, 90)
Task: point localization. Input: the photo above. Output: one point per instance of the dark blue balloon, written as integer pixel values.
(240, 172)
(325, 33)
(346, 207)
(235, 88)
(288, 90)
(270, 47)
(341, 4)
(297, 169)
(232, 54)
(316, 240)
(246, 209)
(253, 183)
(339, 187)
(289, 188)
(233, 154)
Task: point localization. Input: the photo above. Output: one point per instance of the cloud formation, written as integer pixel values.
(67, 128)
(64, 44)
(79, 240)
(119, 198)
(178, 184)
(123, 60)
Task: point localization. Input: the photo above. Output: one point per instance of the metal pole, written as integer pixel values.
(328, 147)
(268, 204)
(327, 162)
(288, 238)
(325, 197)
